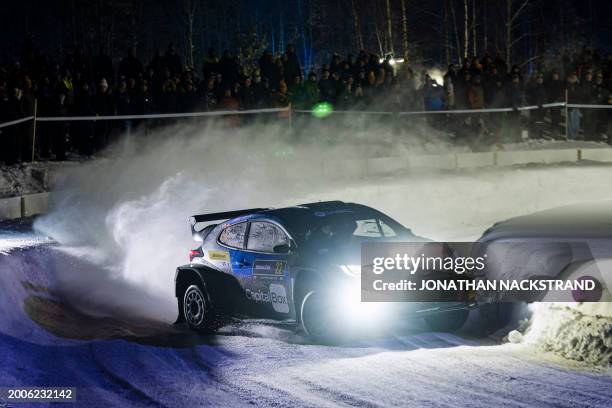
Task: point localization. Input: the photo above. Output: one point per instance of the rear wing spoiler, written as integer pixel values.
(195, 219)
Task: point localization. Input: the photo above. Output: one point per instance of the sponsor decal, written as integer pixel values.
(216, 255)
(276, 295)
(270, 269)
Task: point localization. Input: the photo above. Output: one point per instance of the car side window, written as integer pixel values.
(264, 236)
(233, 236)
(387, 230)
(367, 228)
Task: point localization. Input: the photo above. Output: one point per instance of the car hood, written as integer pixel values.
(580, 221)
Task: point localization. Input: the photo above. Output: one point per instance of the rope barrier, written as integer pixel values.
(279, 110)
(158, 115)
(16, 122)
(579, 105)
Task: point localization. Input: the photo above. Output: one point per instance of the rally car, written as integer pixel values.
(297, 264)
(570, 243)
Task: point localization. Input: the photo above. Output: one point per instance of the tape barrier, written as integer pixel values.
(16, 122)
(579, 105)
(349, 112)
(278, 110)
(158, 115)
(488, 110)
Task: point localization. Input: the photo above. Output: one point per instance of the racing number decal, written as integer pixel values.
(269, 269)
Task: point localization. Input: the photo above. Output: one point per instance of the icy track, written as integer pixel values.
(57, 329)
(122, 362)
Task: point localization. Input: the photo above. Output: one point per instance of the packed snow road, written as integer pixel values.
(124, 361)
(93, 307)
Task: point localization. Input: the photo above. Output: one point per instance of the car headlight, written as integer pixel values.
(351, 270)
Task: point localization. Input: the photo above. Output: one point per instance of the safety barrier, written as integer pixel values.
(26, 205)
(35, 118)
(33, 204)
(288, 111)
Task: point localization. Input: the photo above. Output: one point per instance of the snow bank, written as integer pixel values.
(31, 178)
(580, 332)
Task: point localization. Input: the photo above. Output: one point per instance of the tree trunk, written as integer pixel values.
(508, 33)
(475, 48)
(447, 54)
(190, 10)
(456, 32)
(485, 28)
(358, 37)
(404, 31)
(466, 29)
(389, 27)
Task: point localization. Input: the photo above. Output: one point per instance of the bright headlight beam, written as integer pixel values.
(351, 270)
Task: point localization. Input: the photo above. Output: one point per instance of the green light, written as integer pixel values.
(323, 109)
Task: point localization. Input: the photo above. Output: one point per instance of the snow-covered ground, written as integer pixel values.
(120, 361)
(28, 178)
(94, 308)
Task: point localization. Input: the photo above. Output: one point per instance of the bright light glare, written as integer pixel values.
(351, 270)
(437, 75)
(322, 110)
(357, 311)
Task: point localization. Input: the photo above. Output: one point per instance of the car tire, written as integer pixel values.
(313, 309)
(447, 322)
(198, 310)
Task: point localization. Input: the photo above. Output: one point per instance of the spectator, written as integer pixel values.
(130, 66)
(574, 97)
(83, 130)
(172, 61)
(247, 96)
(327, 90)
(555, 92)
(103, 67)
(602, 97)
(103, 105)
(535, 94)
(291, 67)
(588, 96)
(311, 93)
(188, 100)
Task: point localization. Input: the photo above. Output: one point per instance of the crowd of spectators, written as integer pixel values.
(88, 85)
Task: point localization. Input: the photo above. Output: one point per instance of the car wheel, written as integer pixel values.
(447, 322)
(196, 308)
(314, 318)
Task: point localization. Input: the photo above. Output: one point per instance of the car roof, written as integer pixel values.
(317, 209)
(296, 218)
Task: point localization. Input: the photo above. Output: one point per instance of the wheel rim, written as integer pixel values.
(312, 316)
(195, 308)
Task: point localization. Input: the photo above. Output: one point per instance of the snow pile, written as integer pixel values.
(31, 178)
(22, 179)
(580, 332)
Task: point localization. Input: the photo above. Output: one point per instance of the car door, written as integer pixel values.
(268, 282)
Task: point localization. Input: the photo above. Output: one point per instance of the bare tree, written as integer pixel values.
(456, 32)
(404, 31)
(358, 37)
(190, 8)
(466, 29)
(389, 25)
(475, 48)
(511, 18)
(447, 45)
(485, 27)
